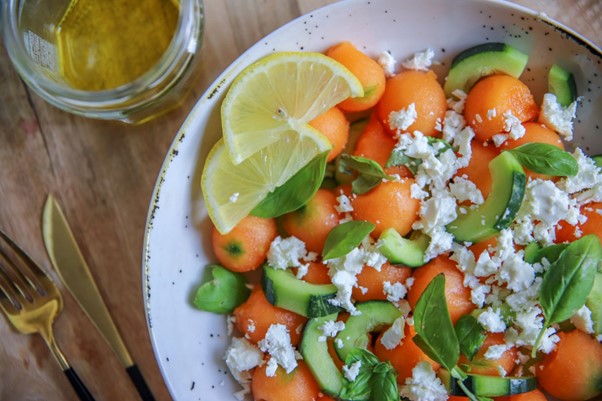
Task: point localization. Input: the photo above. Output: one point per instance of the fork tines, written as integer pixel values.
(19, 274)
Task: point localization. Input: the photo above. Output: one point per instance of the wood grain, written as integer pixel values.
(103, 174)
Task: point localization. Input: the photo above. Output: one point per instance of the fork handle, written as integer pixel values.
(140, 383)
(78, 385)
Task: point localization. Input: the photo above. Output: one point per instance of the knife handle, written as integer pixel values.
(78, 385)
(141, 386)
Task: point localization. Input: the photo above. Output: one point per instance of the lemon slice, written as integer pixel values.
(232, 191)
(281, 93)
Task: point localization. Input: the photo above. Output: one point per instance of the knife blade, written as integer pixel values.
(75, 274)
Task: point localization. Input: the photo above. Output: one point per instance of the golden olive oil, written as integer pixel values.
(103, 44)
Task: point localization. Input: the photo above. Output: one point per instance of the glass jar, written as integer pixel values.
(30, 31)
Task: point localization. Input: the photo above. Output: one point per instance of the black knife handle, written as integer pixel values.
(78, 385)
(141, 386)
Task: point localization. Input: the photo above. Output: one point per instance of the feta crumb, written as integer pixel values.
(351, 372)
(513, 126)
(289, 252)
(557, 117)
(330, 328)
(394, 292)
(393, 335)
(277, 343)
(344, 204)
(492, 320)
(582, 319)
(465, 190)
(242, 356)
(402, 119)
(491, 113)
(251, 326)
(421, 61)
(499, 139)
(338, 343)
(387, 62)
(496, 351)
(424, 385)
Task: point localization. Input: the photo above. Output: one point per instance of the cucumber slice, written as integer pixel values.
(315, 354)
(598, 160)
(488, 386)
(482, 60)
(374, 316)
(400, 250)
(286, 291)
(562, 84)
(499, 210)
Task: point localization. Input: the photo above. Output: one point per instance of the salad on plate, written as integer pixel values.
(382, 233)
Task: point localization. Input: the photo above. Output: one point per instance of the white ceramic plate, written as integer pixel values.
(189, 344)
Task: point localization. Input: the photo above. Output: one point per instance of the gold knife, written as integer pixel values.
(73, 271)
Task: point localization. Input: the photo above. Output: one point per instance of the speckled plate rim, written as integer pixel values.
(219, 85)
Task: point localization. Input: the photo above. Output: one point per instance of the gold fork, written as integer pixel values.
(31, 302)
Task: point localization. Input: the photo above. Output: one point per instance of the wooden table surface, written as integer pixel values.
(103, 174)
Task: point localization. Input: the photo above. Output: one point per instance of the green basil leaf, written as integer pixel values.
(361, 387)
(343, 238)
(370, 173)
(569, 280)
(436, 336)
(384, 383)
(294, 193)
(551, 253)
(547, 159)
(223, 293)
(470, 335)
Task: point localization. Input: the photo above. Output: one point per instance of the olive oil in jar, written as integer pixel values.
(103, 44)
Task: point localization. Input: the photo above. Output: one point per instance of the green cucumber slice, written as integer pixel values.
(488, 386)
(499, 210)
(316, 356)
(562, 84)
(286, 291)
(482, 60)
(400, 250)
(598, 160)
(374, 316)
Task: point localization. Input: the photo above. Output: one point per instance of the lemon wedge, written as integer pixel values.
(280, 94)
(232, 191)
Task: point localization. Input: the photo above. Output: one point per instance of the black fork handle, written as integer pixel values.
(78, 385)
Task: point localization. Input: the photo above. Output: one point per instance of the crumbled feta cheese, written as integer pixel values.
(402, 119)
(557, 117)
(421, 61)
(242, 356)
(290, 252)
(424, 385)
(491, 113)
(587, 177)
(387, 62)
(513, 126)
(499, 139)
(395, 291)
(492, 321)
(330, 328)
(338, 343)
(344, 204)
(393, 335)
(453, 123)
(496, 351)
(350, 372)
(251, 326)
(277, 343)
(582, 319)
(465, 190)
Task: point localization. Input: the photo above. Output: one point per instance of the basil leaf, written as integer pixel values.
(361, 387)
(470, 335)
(547, 159)
(225, 292)
(343, 238)
(436, 336)
(294, 193)
(370, 173)
(384, 383)
(550, 253)
(568, 281)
